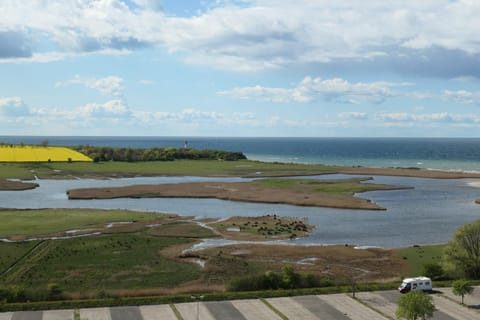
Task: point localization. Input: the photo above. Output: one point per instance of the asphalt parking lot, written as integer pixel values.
(380, 305)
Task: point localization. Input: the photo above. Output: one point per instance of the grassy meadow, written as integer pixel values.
(106, 262)
(51, 221)
(241, 168)
(344, 186)
(21, 153)
(417, 256)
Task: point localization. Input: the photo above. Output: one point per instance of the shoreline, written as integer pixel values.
(409, 173)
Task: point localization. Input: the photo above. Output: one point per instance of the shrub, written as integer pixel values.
(288, 278)
(434, 271)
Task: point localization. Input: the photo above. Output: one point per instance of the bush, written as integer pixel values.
(434, 271)
(288, 278)
(12, 293)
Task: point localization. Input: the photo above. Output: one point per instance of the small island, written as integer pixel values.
(14, 185)
(260, 228)
(299, 192)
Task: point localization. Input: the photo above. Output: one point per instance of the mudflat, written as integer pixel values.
(16, 185)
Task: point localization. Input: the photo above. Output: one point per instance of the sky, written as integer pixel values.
(270, 68)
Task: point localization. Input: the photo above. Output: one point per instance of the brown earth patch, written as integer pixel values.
(334, 262)
(6, 185)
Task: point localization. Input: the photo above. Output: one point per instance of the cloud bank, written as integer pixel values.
(249, 35)
(312, 89)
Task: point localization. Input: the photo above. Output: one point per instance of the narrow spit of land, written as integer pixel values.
(204, 168)
(299, 192)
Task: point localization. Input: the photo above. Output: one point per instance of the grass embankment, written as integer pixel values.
(301, 192)
(20, 153)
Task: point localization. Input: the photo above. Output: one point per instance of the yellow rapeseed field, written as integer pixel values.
(18, 153)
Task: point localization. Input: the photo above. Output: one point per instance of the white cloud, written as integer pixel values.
(184, 116)
(111, 85)
(46, 57)
(441, 117)
(466, 79)
(109, 109)
(353, 115)
(155, 5)
(248, 34)
(312, 89)
(462, 96)
(13, 107)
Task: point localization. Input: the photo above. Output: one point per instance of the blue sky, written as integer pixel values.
(351, 68)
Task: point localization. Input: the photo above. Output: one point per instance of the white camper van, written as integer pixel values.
(414, 284)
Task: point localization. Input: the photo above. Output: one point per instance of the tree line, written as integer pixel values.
(156, 154)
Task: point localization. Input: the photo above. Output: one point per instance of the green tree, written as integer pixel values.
(461, 288)
(129, 155)
(415, 305)
(463, 251)
(433, 270)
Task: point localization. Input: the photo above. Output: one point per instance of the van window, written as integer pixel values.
(420, 284)
(427, 283)
(414, 285)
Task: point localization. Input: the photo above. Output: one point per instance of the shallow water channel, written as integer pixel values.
(427, 214)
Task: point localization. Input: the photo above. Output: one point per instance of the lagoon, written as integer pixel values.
(427, 214)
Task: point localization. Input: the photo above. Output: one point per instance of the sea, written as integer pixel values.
(429, 213)
(456, 154)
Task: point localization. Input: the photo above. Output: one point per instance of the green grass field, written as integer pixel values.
(181, 229)
(121, 258)
(348, 186)
(106, 262)
(417, 257)
(48, 221)
(241, 168)
(12, 252)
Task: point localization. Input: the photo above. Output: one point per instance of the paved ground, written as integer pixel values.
(379, 305)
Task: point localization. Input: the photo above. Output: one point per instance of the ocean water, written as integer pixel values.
(462, 154)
